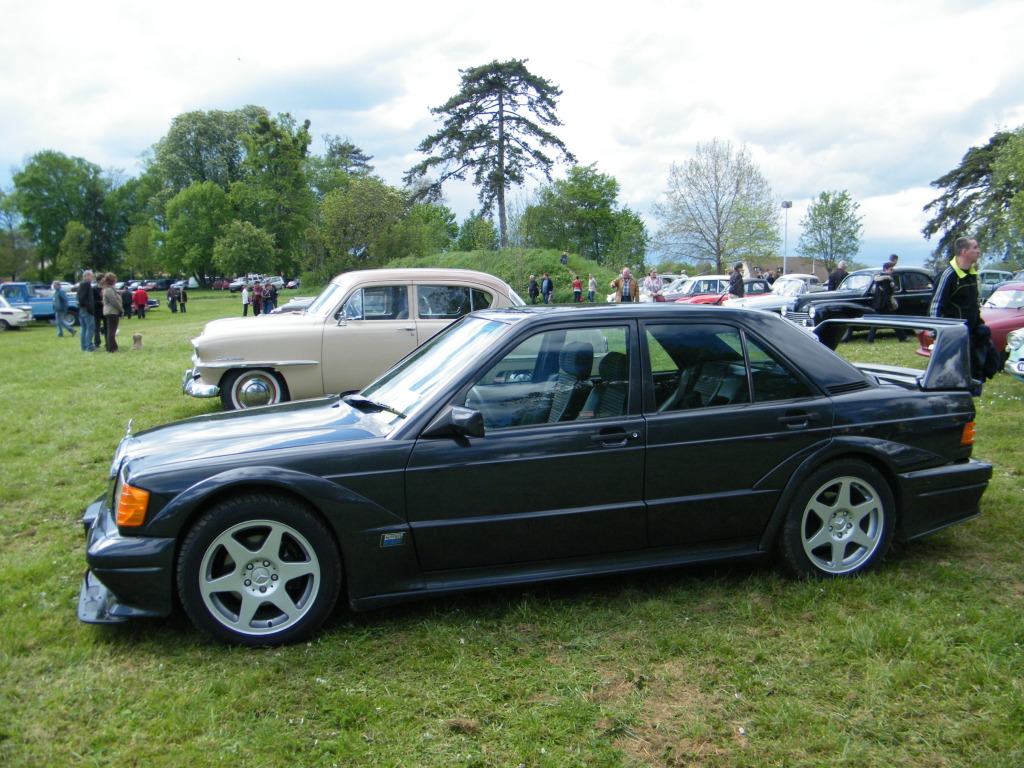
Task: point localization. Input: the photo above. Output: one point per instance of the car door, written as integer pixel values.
(727, 419)
(913, 292)
(559, 472)
(372, 332)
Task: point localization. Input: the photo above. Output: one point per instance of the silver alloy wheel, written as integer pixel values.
(843, 524)
(249, 389)
(259, 578)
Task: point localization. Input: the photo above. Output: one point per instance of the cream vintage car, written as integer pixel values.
(359, 326)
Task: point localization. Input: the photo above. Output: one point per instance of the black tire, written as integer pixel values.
(259, 570)
(70, 317)
(249, 388)
(841, 522)
(4, 326)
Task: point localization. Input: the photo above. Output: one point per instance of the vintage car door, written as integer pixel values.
(559, 473)
(913, 292)
(727, 419)
(371, 332)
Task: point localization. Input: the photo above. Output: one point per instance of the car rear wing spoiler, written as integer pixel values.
(949, 364)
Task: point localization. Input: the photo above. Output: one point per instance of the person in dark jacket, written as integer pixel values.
(956, 295)
(736, 287)
(882, 290)
(87, 312)
(837, 275)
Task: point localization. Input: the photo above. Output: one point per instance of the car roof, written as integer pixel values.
(422, 274)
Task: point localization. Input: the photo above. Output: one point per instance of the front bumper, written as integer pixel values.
(192, 384)
(128, 576)
(1015, 368)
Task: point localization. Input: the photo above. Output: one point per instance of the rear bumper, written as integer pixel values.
(128, 576)
(937, 498)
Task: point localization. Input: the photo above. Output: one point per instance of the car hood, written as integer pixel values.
(762, 302)
(233, 327)
(250, 432)
(999, 316)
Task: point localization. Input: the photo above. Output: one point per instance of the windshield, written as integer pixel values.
(785, 287)
(408, 387)
(324, 304)
(1006, 299)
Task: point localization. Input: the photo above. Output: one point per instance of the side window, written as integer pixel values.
(379, 302)
(441, 302)
(912, 281)
(703, 366)
(556, 376)
(697, 366)
(481, 299)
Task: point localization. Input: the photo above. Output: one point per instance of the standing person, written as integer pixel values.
(87, 312)
(182, 299)
(112, 310)
(245, 300)
(269, 298)
(127, 301)
(591, 288)
(172, 299)
(547, 289)
(577, 289)
(956, 295)
(882, 289)
(736, 288)
(257, 298)
(769, 277)
(141, 300)
(101, 321)
(533, 289)
(837, 275)
(626, 287)
(60, 308)
(565, 258)
(653, 286)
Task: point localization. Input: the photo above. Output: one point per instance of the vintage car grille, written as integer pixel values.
(800, 318)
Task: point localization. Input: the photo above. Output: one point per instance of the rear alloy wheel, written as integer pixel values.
(259, 570)
(841, 522)
(251, 388)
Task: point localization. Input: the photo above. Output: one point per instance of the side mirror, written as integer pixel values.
(456, 421)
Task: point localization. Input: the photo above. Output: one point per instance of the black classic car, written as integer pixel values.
(531, 444)
(913, 291)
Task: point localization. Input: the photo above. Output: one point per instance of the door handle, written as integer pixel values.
(798, 419)
(615, 439)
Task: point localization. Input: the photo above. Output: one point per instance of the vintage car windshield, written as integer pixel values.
(324, 304)
(785, 287)
(856, 282)
(409, 386)
(1006, 299)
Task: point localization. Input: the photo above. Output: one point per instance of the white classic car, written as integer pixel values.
(783, 294)
(359, 326)
(13, 317)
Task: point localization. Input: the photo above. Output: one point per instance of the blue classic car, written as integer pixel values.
(537, 443)
(39, 297)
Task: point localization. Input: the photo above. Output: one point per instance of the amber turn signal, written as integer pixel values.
(967, 438)
(131, 506)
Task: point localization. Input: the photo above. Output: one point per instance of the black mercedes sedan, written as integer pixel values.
(531, 444)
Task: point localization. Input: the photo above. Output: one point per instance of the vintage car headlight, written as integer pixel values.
(784, 311)
(812, 312)
(1015, 339)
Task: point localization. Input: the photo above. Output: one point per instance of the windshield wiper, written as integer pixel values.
(366, 404)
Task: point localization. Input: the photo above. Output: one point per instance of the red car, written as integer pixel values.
(1004, 312)
(220, 285)
(752, 286)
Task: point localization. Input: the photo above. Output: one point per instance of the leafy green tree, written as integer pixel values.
(53, 190)
(831, 229)
(477, 233)
(196, 217)
(718, 207)
(242, 248)
(1008, 177)
(15, 248)
(205, 147)
(275, 194)
(355, 223)
(630, 241)
(340, 162)
(974, 202)
(74, 250)
(488, 131)
(140, 255)
(580, 214)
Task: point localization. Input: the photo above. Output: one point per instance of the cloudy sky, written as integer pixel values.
(876, 97)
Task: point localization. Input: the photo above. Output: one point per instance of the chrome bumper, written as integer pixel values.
(192, 384)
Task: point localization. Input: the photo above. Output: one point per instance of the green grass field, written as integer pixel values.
(919, 664)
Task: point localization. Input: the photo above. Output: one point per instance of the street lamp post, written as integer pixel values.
(786, 205)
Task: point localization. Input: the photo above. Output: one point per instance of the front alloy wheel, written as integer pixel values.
(841, 522)
(259, 570)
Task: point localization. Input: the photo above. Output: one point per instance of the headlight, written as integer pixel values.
(1015, 339)
(812, 312)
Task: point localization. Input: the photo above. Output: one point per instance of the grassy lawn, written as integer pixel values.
(919, 664)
